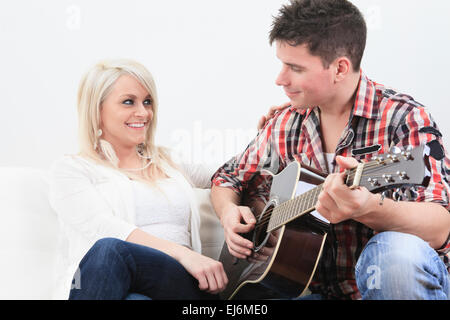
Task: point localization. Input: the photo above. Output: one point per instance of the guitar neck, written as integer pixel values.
(294, 208)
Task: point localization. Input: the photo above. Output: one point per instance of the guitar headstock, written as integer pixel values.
(397, 169)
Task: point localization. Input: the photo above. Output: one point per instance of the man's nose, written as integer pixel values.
(282, 79)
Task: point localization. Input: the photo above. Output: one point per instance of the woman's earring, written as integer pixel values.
(140, 151)
(99, 133)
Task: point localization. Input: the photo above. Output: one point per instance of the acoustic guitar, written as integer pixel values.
(295, 236)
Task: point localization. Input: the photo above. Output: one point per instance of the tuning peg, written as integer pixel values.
(373, 182)
(378, 159)
(384, 194)
(388, 178)
(393, 157)
(396, 195)
(411, 193)
(395, 150)
(402, 175)
(407, 153)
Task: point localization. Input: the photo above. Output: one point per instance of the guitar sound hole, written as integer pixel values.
(260, 236)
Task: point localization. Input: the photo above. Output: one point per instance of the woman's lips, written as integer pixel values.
(136, 125)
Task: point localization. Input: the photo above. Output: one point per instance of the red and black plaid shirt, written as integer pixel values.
(381, 118)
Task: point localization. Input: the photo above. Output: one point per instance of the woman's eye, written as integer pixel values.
(128, 102)
(148, 102)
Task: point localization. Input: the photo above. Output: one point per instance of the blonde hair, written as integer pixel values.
(94, 87)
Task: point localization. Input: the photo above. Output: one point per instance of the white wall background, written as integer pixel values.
(214, 68)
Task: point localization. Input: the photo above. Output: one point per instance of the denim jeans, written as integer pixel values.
(114, 269)
(400, 266)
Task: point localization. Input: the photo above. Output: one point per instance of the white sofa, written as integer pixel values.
(29, 234)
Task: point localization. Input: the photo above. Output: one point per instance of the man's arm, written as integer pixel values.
(244, 174)
(337, 202)
(408, 217)
(235, 219)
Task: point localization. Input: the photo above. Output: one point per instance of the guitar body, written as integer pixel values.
(289, 269)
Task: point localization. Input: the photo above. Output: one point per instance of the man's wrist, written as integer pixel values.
(227, 207)
(373, 208)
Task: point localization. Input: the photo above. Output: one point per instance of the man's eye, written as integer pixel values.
(128, 102)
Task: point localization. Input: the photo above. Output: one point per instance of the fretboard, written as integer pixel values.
(294, 208)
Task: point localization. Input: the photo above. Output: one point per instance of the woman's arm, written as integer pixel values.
(79, 204)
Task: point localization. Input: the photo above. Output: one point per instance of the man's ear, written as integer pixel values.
(343, 67)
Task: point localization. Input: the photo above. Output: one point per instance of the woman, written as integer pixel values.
(125, 208)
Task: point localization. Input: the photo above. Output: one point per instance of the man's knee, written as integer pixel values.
(392, 264)
(395, 247)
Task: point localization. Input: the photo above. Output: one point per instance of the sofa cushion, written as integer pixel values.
(29, 234)
(211, 231)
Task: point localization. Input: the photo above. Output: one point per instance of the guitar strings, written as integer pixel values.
(368, 167)
(265, 220)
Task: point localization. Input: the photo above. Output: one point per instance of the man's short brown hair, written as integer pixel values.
(330, 29)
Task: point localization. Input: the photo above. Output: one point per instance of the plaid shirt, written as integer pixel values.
(381, 118)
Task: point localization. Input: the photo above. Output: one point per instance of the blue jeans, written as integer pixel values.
(400, 266)
(114, 269)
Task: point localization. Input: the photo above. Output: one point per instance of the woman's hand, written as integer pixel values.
(210, 273)
(273, 109)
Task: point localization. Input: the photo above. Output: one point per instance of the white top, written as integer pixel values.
(329, 157)
(93, 202)
(164, 211)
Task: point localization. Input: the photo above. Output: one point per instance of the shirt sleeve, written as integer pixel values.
(251, 171)
(419, 128)
(198, 174)
(80, 206)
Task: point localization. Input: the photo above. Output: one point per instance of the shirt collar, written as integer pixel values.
(366, 104)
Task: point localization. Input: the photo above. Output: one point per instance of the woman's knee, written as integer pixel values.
(102, 250)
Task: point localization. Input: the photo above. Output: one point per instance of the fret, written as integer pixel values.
(278, 212)
(294, 207)
(305, 201)
(286, 209)
(315, 196)
(290, 212)
(297, 206)
(273, 218)
(308, 196)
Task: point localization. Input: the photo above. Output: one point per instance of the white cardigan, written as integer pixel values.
(93, 202)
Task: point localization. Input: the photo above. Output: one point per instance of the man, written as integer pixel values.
(338, 114)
